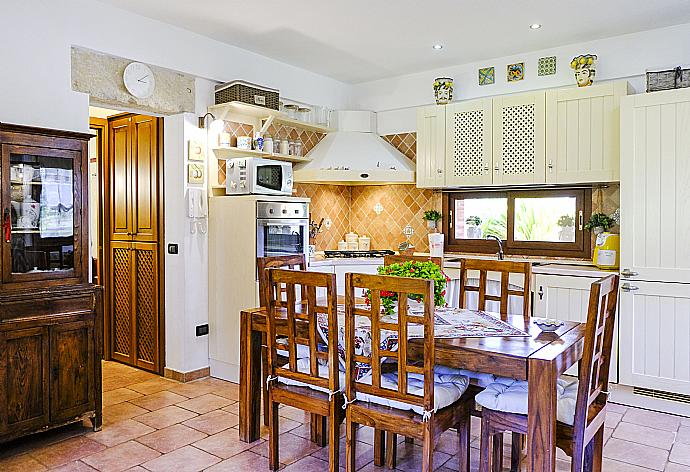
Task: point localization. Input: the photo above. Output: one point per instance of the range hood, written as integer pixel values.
(355, 155)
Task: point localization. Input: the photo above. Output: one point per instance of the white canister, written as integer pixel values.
(244, 142)
(364, 243)
(351, 238)
(342, 246)
(284, 146)
(268, 144)
(436, 244)
(353, 246)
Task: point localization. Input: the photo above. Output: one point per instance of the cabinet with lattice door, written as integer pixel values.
(469, 153)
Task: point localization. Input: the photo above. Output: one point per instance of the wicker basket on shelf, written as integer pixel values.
(253, 94)
(668, 79)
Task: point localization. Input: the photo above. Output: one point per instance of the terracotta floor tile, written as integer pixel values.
(616, 408)
(672, 467)
(291, 447)
(121, 457)
(683, 435)
(186, 459)
(119, 395)
(652, 419)
(158, 400)
(37, 441)
(636, 454)
(612, 419)
(66, 451)
(204, 403)
(153, 386)
(77, 466)
(294, 414)
(307, 464)
(284, 425)
(213, 422)
(244, 462)
(121, 412)
(410, 458)
(173, 437)
(164, 417)
(609, 465)
(644, 435)
(225, 444)
(234, 408)
(21, 463)
(193, 389)
(117, 433)
(680, 454)
(230, 391)
(365, 454)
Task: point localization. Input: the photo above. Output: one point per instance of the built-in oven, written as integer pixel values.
(282, 228)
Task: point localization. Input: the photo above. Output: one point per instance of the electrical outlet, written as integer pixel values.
(202, 330)
(173, 248)
(328, 223)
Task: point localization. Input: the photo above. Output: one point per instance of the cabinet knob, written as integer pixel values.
(629, 273)
(550, 166)
(541, 292)
(440, 171)
(629, 288)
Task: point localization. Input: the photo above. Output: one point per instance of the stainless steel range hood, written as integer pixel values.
(355, 155)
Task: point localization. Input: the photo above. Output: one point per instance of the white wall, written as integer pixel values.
(620, 57)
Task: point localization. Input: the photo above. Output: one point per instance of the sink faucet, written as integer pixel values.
(500, 245)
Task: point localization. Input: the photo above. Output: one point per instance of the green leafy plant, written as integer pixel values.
(432, 215)
(566, 220)
(496, 226)
(600, 220)
(414, 270)
(473, 220)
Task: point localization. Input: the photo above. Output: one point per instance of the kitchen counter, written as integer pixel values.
(320, 261)
(571, 270)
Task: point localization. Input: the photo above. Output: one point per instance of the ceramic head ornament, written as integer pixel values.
(585, 69)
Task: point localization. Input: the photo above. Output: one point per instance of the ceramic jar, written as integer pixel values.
(443, 90)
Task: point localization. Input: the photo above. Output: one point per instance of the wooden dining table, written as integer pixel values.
(538, 358)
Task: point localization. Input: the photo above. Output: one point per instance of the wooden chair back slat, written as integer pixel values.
(301, 324)
(594, 367)
(402, 287)
(399, 258)
(297, 262)
(505, 268)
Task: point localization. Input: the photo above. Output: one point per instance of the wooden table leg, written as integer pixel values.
(250, 380)
(541, 427)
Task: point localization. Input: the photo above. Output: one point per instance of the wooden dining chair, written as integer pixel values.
(307, 384)
(581, 404)
(394, 402)
(398, 258)
(505, 268)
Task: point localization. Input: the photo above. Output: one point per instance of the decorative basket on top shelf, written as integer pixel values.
(253, 94)
(668, 79)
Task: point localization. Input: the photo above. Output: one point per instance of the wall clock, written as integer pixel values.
(139, 80)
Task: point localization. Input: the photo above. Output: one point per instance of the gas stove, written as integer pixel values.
(350, 254)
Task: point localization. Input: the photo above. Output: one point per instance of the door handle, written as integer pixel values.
(629, 273)
(541, 292)
(7, 225)
(629, 288)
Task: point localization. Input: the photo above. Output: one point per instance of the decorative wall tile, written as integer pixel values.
(487, 76)
(404, 142)
(328, 201)
(516, 71)
(547, 65)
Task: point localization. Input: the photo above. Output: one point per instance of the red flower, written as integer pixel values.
(443, 293)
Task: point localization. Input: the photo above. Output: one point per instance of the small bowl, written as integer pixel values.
(547, 325)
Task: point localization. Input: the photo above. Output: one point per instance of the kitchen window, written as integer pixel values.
(534, 222)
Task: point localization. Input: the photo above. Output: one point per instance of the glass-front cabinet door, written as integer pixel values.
(41, 193)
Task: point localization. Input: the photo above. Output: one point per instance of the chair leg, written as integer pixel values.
(273, 460)
(319, 430)
(350, 444)
(516, 452)
(334, 442)
(593, 453)
(391, 450)
(264, 390)
(428, 447)
(379, 447)
(464, 444)
(497, 453)
(484, 444)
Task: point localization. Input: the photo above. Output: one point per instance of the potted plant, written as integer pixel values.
(599, 223)
(566, 233)
(474, 231)
(414, 270)
(432, 217)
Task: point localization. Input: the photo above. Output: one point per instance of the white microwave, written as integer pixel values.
(254, 175)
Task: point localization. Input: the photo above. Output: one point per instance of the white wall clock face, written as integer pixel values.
(139, 80)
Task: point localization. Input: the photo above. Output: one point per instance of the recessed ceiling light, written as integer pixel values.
(535, 26)
(437, 46)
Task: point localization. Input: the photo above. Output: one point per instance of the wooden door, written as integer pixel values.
(144, 177)
(583, 133)
(24, 360)
(519, 139)
(469, 143)
(567, 298)
(122, 325)
(655, 171)
(655, 327)
(431, 138)
(120, 178)
(71, 369)
(145, 300)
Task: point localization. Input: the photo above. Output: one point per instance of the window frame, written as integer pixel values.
(580, 249)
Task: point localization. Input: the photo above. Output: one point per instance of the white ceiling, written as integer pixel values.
(361, 40)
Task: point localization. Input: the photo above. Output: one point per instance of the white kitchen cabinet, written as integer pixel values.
(469, 151)
(567, 298)
(654, 333)
(519, 135)
(583, 133)
(431, 142)
(655, 171)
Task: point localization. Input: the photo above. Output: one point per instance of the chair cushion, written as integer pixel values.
(510, 396)
(303, 366)
(478, 378)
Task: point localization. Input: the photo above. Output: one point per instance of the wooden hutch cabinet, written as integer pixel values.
(50, 317)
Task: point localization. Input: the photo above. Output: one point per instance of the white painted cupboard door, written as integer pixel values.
(431, 141)
(469, 143)
(655, 186)
(567, 299)
(583, 133)
(519, 135)
(654, 333)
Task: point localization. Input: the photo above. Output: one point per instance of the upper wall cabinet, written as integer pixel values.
(583, 133)
(431, 141)
(519, 138)
(468, 157)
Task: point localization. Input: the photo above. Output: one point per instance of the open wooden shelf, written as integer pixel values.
(224, 111)
(233, 152)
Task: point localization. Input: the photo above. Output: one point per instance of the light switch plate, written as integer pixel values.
(195, 173)
(197, 151)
